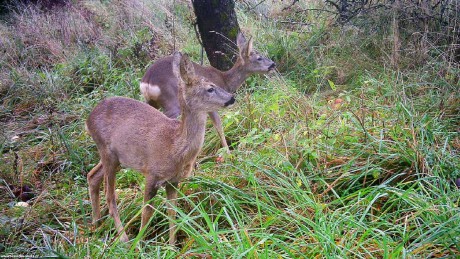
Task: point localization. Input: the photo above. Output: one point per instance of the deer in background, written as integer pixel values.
(160, 88)
(132, 134)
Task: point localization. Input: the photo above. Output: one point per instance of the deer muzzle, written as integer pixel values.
(230, 102)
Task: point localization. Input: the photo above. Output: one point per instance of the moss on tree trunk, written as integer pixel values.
(218, 27)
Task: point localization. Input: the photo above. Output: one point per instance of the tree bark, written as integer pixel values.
(218, 27)
(343, 12)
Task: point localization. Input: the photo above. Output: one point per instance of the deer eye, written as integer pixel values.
(259, 58)
(210, 90)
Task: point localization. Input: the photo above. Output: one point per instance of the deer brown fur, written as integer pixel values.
(133, 134)
(160, 88)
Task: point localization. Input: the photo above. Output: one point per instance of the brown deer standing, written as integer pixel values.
(133, 134)
(159, 86)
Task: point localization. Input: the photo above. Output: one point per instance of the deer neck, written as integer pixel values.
(191, 134)
(236, 76)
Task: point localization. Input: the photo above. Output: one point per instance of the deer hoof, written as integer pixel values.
(124, 238)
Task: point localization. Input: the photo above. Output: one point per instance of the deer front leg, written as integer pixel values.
(220, 131)
(171, 194)
(150, 191)
(95, 177)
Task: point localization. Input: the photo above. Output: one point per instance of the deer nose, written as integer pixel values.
(230, 102)
(272, 66)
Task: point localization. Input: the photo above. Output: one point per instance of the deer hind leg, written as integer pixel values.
(220, 131)
(150, 191)
(171, 194)
(171, 112)
(110, 168)
(171, 106)
(95, 177)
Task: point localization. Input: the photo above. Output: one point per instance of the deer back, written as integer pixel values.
(159, 86)
(132, 132)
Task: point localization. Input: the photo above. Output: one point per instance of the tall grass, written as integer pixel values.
(336, 155)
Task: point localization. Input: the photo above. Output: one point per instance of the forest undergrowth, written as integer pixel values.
(340, 153)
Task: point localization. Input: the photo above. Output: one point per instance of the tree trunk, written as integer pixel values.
(343, 12)
(218, 29)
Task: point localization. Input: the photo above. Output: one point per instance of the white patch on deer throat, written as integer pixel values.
(150, 92)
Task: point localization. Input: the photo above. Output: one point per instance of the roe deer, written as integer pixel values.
(132, 134)
(159, 87)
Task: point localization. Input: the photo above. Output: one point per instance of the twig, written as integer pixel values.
(316, 9)
(331, 186)
(297, 23)
(174, 25)
(195, 27)
(8, 189)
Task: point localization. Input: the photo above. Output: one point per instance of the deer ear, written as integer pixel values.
(249, 47)
(240, 41)
(187, 72)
